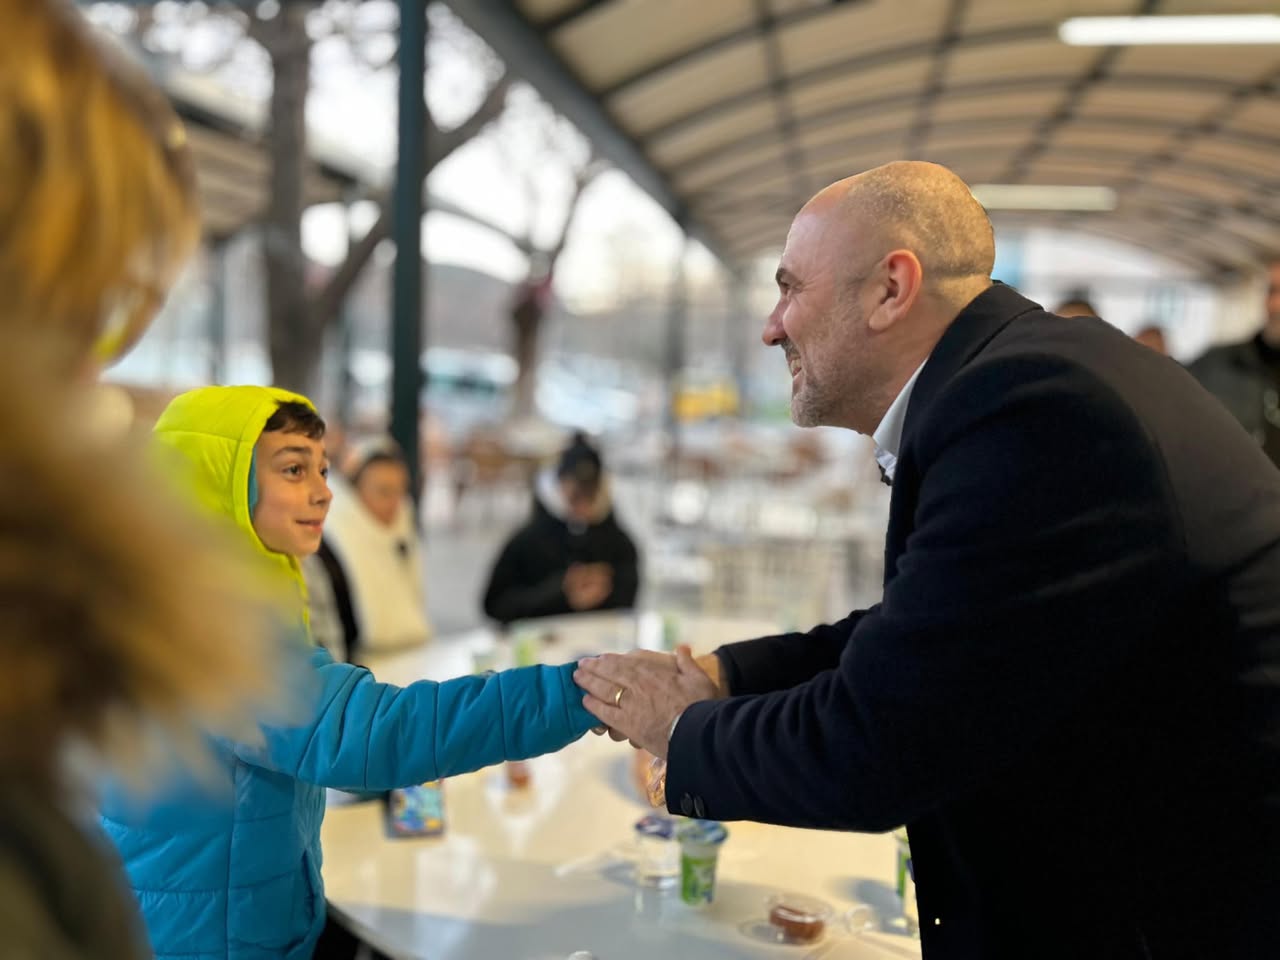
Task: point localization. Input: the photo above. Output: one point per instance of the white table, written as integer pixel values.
(537, 874)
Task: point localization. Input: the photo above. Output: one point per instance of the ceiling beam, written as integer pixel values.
(902, 103)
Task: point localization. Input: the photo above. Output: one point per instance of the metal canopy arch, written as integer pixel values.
(731, 112)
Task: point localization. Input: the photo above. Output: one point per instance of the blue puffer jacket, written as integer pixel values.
(233, 872)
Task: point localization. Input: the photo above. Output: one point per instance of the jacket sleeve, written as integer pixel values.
(1026, 594)
(509, 598)
(365, 735)
(780, 662)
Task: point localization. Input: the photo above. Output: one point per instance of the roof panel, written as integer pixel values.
(819, 171)
(993, 140)
(1236, 63)
(690, 143)
(1081, 135)
(873, 126)
(540, 11)
(970, 62)
(982, 15)
(1215, 189)
(866, 84)
(1179, 106)
(615, 41)
(971, 167)
(703, 175)
(691, 85)
(1259, 158)
(1260, 115)
(1212, 6)
(1263, 232)
(688, 84)
(1050, 168)
(1021, 105)
(849, 30)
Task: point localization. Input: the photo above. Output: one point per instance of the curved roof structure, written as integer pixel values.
(731, 113)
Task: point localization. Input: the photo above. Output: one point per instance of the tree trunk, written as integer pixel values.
(531, 303)
(526, 323)
(294, 337)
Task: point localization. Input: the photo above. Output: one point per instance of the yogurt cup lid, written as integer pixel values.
(707, 833)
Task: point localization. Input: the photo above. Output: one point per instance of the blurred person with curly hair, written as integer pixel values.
(111, 661)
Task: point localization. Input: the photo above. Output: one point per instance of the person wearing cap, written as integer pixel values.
(572, 555)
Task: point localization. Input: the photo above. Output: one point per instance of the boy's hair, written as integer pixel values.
(294, 417)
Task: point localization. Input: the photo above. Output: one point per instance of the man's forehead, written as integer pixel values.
(810, 239)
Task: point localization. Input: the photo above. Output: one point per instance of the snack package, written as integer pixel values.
(416, 811)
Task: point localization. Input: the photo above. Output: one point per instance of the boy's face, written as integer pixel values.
(293, 492)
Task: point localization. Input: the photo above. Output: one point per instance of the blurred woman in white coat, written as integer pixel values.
(368, 593)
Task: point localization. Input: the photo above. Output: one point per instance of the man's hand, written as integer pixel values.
(655, 689)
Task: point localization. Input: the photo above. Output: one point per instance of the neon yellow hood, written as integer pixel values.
(214, 429)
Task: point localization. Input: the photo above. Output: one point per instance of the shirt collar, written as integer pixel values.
(888, 435)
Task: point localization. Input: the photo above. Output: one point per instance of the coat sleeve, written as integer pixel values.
(780, 662)
(509, 597)
(364, 735)
(1045, 544)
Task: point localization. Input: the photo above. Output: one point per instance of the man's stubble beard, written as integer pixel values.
(827, 403)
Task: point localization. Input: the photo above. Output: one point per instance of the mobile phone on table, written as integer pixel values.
(416, 811)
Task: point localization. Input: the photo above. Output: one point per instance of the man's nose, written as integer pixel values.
(773, 334)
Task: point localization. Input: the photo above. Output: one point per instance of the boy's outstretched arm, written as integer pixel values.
(359, 734)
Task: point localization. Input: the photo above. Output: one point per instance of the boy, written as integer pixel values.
(240, 879)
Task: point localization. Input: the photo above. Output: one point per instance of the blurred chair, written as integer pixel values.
(792, 581)
(487, 474)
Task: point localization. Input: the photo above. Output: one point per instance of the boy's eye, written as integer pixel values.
(294, 470)
(324, 472)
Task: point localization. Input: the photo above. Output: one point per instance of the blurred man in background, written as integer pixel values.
(1245, 375)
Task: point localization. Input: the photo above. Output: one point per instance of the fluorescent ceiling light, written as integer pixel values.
(1124, 31)
(1032, 196)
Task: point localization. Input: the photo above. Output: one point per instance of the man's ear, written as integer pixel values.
(903, 279)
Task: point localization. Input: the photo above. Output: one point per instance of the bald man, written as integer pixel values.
(1070, 690)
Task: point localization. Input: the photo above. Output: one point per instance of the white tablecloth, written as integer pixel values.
(539, 873)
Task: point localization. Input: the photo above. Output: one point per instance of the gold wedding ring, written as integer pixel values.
(617, 697)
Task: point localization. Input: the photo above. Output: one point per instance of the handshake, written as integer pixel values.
(638, 696)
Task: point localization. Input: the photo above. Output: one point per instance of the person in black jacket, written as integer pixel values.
(1070, 689)
(1245, 375)
(572, 555)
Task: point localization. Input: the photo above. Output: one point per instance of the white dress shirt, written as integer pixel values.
(888, 436)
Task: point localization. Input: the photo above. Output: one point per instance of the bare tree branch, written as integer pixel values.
(440, 143)
(594, 166)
